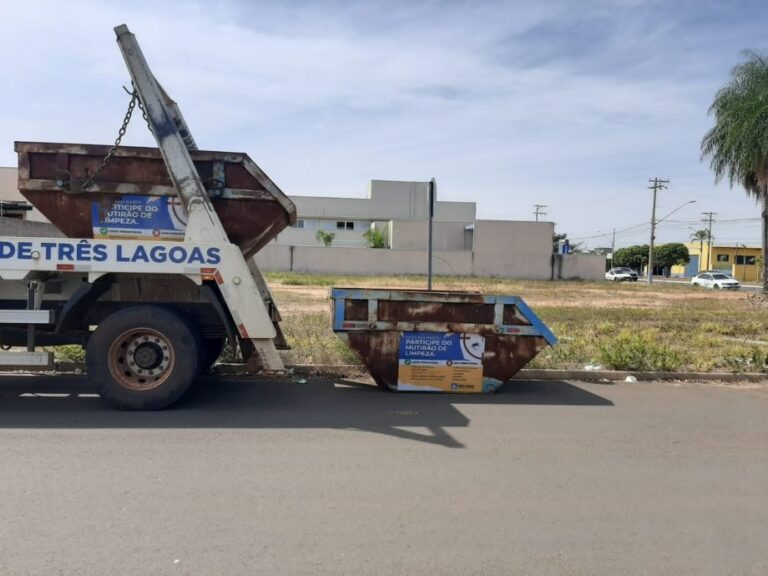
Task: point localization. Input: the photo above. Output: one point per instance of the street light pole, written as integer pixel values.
(653, 231)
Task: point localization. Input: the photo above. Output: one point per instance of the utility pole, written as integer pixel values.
(539, 210)
(613, 245)
(709, 216)
(657, 184)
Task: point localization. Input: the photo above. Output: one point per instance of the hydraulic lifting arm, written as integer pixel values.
(238, 286)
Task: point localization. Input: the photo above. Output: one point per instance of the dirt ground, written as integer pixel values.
(296, 299)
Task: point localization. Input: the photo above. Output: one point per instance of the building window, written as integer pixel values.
(345, 225)
(722, 257)
(745, 260)
(299, 223)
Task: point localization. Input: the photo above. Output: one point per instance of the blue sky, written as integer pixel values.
(572, 104)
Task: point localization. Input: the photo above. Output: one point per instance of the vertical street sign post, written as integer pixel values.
(432, 193)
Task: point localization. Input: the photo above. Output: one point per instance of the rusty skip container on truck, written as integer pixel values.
(432, 341)
(252, 209)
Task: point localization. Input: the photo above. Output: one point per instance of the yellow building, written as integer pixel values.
(742, 262)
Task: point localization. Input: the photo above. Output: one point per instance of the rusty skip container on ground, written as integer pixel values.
(431, 341)
(252, 209)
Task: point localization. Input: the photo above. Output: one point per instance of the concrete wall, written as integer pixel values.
(413, 235)
(513, 249)
(361, 261)
(505, 249)
(581, 267)
(299, 237)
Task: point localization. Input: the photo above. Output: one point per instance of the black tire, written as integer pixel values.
(716, 286)
(143, 358)
(211, 350)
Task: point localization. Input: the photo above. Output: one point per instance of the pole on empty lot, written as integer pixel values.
(657, 184)
(539, 210)
(432, 193)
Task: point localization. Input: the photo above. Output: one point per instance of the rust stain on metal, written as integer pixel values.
(470, 312)
(252, 209)
(511, 339)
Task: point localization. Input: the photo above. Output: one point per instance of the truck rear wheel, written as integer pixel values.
(143, 358)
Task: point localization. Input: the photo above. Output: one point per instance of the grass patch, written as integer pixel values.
(68, 353)
(630, 326)
(640, 351)
(312, 341)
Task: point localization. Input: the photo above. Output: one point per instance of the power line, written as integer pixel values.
(682, 224)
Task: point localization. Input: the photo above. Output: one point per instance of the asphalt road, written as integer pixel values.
(283, 477)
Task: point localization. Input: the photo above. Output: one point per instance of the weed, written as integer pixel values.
(69, 353)
(313, 342)
(640, 351)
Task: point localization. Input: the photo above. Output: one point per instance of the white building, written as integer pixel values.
(462, 244)
(398, 209)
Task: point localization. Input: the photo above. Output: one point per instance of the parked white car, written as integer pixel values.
(716, 280)
(621, 274)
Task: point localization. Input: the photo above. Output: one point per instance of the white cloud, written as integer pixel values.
(505, 103)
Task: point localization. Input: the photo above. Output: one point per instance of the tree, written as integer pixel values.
(668, 255)
(702, 236)
(631, 257)
(325, 237)
(374, 237)
(737, 145)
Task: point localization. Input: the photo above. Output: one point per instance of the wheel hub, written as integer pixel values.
(141, 359)
(147, 355)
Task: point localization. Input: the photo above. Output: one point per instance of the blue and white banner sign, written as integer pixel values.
(140, 217)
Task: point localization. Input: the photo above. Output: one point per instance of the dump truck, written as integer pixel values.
(152, 270)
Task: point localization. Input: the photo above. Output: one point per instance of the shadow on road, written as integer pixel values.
(67, 401)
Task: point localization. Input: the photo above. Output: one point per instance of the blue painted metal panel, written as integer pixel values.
(339, 295)
(536, 322)
(693, 266)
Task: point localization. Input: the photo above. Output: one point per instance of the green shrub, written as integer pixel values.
(751, 360)
(326, 238)
(641, 352)
(69, 353)
(374, 237)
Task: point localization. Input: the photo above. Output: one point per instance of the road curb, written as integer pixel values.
(346, 370)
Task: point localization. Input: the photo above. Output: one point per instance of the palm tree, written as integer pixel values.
(701, 236)
(737, 145)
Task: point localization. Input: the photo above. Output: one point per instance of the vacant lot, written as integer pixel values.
(622, 326)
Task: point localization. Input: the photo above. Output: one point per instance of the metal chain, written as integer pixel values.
(144, 114)
(120, 134)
